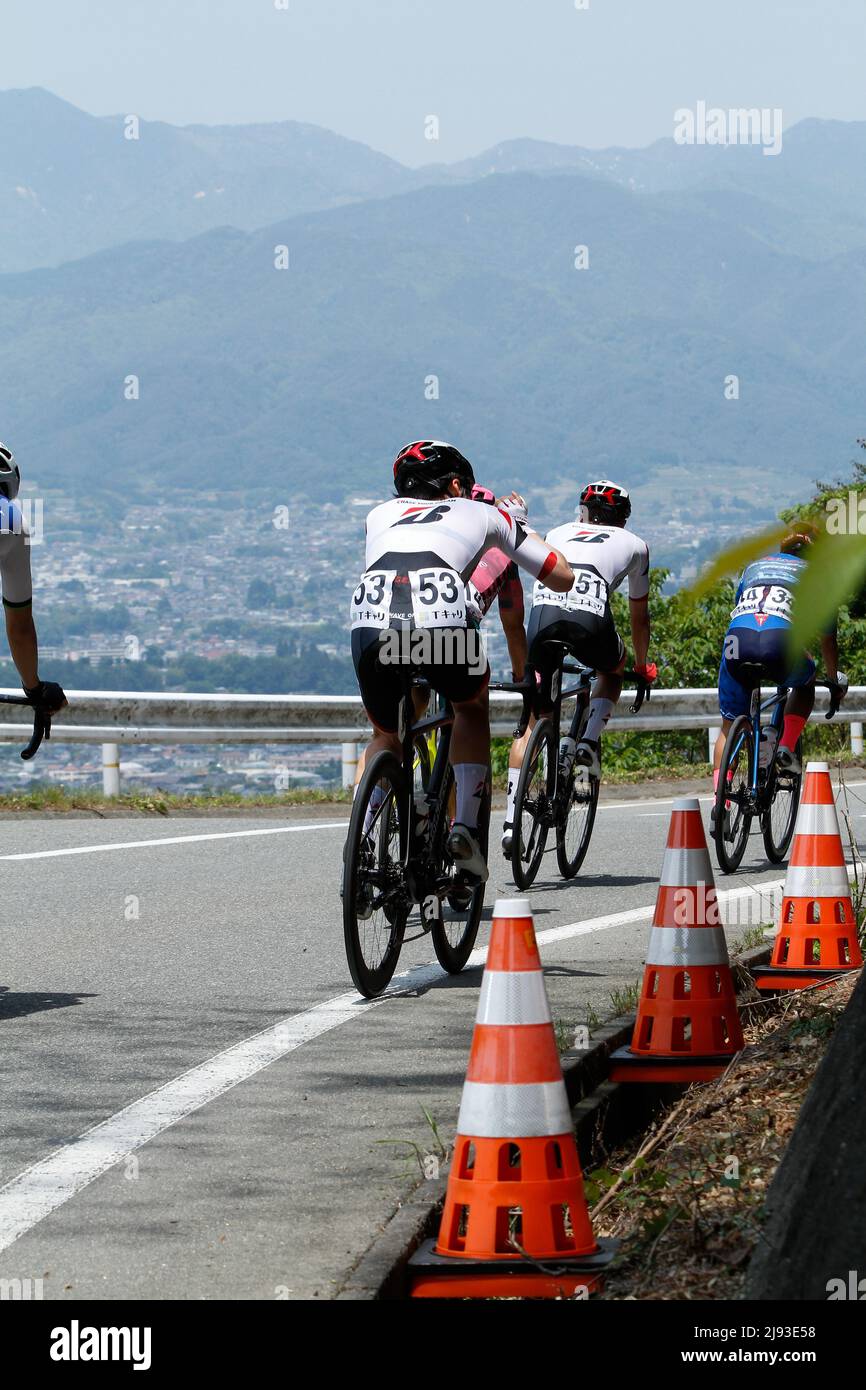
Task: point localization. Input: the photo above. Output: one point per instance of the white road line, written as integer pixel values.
(113, 846)
(40, 1189)
(178, 840)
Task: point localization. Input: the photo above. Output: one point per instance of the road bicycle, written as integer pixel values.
(553, 791)
(41, 724)
(397, 858)
(751, 784)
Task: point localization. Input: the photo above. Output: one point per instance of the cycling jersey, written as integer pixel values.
(14, 556)
(419, 556)
(601, 557)
(757, 636)
(765, 592)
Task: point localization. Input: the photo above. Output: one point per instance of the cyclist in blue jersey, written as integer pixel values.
(758, 637)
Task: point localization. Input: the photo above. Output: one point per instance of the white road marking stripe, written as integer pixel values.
(291, 829)
(46, 1185)
(178, 840)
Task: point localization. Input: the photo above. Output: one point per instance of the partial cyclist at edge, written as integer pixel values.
(17, 588)
(422, 547)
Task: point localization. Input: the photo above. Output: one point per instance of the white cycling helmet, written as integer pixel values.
(10, 477)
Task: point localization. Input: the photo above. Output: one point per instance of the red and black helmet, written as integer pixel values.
(425, 468)
(605, 501)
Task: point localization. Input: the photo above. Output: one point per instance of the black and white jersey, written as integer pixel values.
(419, 556)
(602, 557)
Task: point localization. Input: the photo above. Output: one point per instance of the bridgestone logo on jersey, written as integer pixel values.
(434, 646)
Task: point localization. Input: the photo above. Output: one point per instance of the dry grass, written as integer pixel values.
(687, 1205)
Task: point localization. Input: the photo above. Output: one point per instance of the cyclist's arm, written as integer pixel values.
(640, 630)
(18, 604)
(529, 551)
(511, 615)
(638, 594)
(830, 654)
(21, 635)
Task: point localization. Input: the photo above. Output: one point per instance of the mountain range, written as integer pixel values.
(441, 301)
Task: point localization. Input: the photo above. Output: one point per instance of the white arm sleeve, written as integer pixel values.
(14, 558)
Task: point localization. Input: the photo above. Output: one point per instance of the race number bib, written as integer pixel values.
(371, 601)
(771, 599)
(588, 594)
(438, 597)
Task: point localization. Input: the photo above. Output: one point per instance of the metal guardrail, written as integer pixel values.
(112, 717)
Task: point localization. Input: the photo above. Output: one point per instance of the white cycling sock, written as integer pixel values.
(471, 780)
(511, 794)
(599, 713)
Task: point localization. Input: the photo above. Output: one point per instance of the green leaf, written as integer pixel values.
(736, 557)
(834, 574)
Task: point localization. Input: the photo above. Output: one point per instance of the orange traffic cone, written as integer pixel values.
(817, 936)
(515, 1222)
(688, 1025)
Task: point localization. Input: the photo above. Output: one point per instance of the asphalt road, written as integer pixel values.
(195, 1103)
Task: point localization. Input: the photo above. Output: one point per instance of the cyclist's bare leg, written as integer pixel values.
(718, 750)
(381, 739)
(605, 694)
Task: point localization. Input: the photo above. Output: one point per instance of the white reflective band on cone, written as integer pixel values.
(817, 882)
(512, 907)
(687, 946)
(686, 868)
(687, 803)
(817, 767)
(513, 996)
(490, 1111)
(817, 820)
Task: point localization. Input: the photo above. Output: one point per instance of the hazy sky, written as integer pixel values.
(489, 69)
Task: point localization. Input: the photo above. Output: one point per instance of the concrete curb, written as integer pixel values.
(606, 1114)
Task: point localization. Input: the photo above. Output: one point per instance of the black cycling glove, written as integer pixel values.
(47, 696)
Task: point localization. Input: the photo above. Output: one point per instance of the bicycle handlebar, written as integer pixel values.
(41, 724)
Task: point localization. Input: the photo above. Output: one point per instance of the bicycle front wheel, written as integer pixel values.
(574, 826)
(454, 934)
(533, 804)
(375, 898)
(733, 805)
(780, 817)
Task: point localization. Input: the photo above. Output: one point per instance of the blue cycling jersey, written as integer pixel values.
(766, 591)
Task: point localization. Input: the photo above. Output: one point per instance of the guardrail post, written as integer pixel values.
(857, 738)
(712, 734)
(350, 763)
(110, 769)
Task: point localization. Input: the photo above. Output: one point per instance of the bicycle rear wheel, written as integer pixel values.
(454, 934)
(533, 804)
(574, 828)
(780, 817)
(733, 804)
(375, 898)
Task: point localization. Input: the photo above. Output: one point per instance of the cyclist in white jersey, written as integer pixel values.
(603, 555)
(421, 549)
(18, 591)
